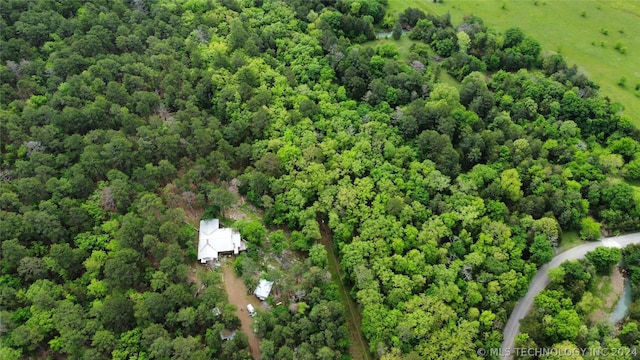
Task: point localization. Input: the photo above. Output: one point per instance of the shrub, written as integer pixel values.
(590, 229)
(620, 47)
(622, 82)
(397, 31)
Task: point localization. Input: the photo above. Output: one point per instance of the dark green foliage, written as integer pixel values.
(409, 18)
(103, 121)
(541, 251)
(117, 313)
(397, 31)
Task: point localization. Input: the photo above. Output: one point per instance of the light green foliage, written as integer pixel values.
(556, 275)
(510, 184)
(568, 350)
(318, 255)
(10, 354)
(588, 303)
(548, 227)
(278, 241)
(564, 325)
(97, 288)
(252, 231)
(89, 241)
(590, 229)
(463, 41)
(632, 169)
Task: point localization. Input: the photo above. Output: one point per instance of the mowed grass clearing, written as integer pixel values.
(576, 29)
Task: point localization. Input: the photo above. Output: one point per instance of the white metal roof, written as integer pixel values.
(214, 240)
(263, 289)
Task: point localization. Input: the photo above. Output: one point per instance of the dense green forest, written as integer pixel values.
(118, 118)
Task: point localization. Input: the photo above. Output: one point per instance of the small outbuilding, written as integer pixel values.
(227, 335)
(263, 290)
(214, 241)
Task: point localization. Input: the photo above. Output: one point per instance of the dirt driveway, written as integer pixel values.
(237, 294)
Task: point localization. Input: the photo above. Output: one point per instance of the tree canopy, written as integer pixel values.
(124, 121)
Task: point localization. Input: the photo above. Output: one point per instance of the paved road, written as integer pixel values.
(541, 280)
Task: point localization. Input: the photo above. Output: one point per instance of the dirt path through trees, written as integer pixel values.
(359, 348)
(237, 294)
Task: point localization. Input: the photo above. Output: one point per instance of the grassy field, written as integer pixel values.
(584, 32)
(569, 240)
(403, 44)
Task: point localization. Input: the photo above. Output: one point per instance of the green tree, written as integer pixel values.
(590, 229)
(318, 256)
(604, 258)
(278, 241)
(632, 169)
(221, 199)
(541, 250)
(564, 325)
(564, 350)
(12, 253)
(253, 231)
(511, 185)
(31, 268)
(463, 41)
(396, 33)
(188, 348)
(117, 313)
(121, 269)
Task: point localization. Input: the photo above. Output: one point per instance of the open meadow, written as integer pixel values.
(601, 37)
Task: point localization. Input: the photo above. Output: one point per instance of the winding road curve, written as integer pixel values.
(541, 280)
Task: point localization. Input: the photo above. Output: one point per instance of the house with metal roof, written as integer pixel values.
(214, 241)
